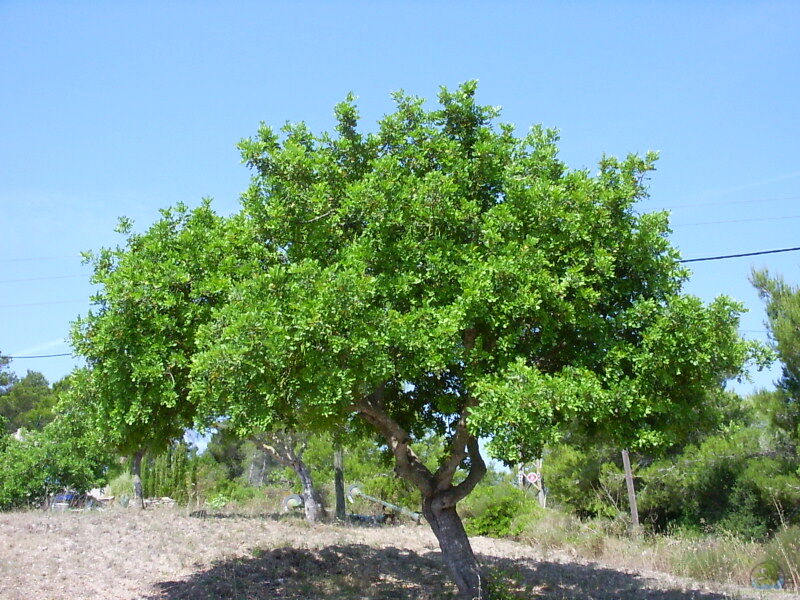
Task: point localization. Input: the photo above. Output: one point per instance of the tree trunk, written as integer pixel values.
(138, 496)
(312, 500)
(287, 447)
(456, 549)
(439, 495)
(338, 481)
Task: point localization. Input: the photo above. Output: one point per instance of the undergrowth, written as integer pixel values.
(504, 511)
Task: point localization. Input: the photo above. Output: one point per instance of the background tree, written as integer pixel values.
(65, 454)
(288, 447)
(5, 374)
(139, 340)
(28, 402)
(782, 407)
(442, 274)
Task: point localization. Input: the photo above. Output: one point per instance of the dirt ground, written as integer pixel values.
(165, 554)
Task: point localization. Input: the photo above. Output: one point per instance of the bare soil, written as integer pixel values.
(165, 554)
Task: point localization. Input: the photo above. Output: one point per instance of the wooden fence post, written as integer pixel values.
(626, 463)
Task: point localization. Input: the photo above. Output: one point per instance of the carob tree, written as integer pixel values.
(443, 274)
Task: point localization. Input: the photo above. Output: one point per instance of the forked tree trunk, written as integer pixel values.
(136, 468)
(439, 495)
(456, 549)
(287, 447)
(312, 500)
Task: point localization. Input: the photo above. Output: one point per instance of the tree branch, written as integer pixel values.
(409, 466)
(458, 444)
(476, 472)
(458, 449)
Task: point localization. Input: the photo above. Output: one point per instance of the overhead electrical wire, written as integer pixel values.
(739, 221)
(63, 257)
(726, 256)
(39, 356)
(41, 278)
(725, 202)
(42, 303)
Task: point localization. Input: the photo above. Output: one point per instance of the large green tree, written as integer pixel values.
(439, 275)
(443, 274)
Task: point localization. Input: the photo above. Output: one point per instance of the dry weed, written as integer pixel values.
(164, 554)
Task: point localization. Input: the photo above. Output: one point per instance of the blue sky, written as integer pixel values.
(110, 109)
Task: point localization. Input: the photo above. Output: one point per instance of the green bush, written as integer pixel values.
(64, 455)
(498, 511)
(722, 485)
(587, 481)
(234, 490)
(121, 485)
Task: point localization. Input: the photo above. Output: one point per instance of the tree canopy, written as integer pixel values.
(440, 274)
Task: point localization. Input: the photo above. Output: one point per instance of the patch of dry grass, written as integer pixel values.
(164, 554)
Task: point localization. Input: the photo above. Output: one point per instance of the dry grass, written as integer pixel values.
(165, 554)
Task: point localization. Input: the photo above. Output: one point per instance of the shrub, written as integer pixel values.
(234, 490)
(499, 511)
(121, 485)
(63, 455)
(585, 480)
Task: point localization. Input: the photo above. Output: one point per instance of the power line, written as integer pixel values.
(40, 356)
(738, 221)
(726, 202)
(43, 303)
(688, 260)
(62, 257)
(41, 278)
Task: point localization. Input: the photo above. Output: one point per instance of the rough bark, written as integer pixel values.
(456, 549)
(136, 468)
(312, 500)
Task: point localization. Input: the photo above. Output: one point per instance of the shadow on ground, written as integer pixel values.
(358, 571)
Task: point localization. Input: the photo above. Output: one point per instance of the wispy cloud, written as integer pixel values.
(40, 347)
(753, 184)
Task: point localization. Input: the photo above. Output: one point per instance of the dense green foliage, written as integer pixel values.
(140, 338)
(388, 247)
(499, 510)
(739, 476)
(65, 454)
(28, 402)
(782, 408)
(172, 473)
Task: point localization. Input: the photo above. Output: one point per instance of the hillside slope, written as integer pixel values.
(164, 554)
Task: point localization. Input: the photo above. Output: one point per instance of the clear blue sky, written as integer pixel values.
(122, 108)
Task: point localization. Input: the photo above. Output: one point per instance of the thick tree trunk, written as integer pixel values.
(312, 500)
(456, 549)
(439, 494)
(138, 496)
(338, 481)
